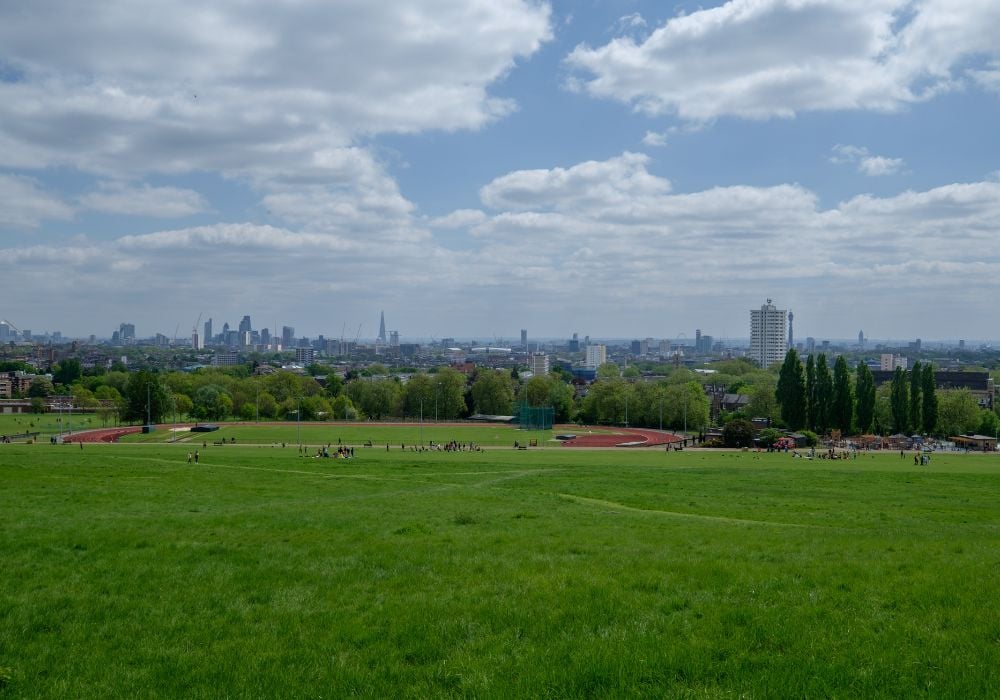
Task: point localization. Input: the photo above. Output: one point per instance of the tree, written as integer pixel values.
(769, 436)
(182, 404)
(864, 390)
(824, 395)
(916, 401)
(608, 370)
(958, 412)
(738, 433)
(842, 414)
(899, 402)
(812, 407)
(929, 415)
(687, 406)
(211, 402)
(144, 389)
(67, 372)
(40, 388)
(606, 402)
(493, 393)
(343, 409)
(989, 423)
(418, 396)
(547, 390)
(790, 392)
(449, 393)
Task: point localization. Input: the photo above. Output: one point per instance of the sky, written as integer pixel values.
(614, 168)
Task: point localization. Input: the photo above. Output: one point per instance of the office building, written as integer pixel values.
(768, 334)
(287, 336)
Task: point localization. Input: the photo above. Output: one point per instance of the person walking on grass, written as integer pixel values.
(189, 458)
(196, 456)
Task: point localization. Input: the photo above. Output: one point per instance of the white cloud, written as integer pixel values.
(24, 204)
(252, 89)
(866, 162)
(653, 138)
(460, 218)
(612, 182)
(144, 200)
(768, 58)
(598, 239)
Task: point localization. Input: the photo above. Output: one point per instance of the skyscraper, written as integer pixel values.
(767, 334)
(381, 328)
(287, 336)
(524, 339)
(208, 332)
(245, 325)
(791, 333)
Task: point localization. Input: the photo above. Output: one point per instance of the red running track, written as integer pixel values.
(626, 438)
(103, 435)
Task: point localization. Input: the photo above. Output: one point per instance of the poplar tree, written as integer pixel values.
(864, 392)
(930, 402)
(916, 402)
(899, 401)
(791, 391)
(811, 408)
(842, 406)
(824, 395)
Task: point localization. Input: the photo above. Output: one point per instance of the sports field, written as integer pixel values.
(128, 572)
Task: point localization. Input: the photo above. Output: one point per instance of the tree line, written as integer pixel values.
(812, 397)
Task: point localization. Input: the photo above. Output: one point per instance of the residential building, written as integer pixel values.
(888, 362)
(304, 356)
(597, 355)
(539, 364)
(768, 339)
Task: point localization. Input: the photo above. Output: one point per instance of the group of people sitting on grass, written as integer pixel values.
(453, 446)
(342, 452)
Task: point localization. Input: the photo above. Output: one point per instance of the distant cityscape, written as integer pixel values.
(771, 333)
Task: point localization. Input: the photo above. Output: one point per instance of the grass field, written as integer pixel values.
(555, 573)
(352, 434)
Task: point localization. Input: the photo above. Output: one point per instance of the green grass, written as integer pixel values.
(351, 434)
(552, 573)
(48, 424)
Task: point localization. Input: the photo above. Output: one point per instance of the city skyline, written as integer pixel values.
(482, 167)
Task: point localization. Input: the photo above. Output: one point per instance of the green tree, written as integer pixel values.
(864, 390)
(212, 402)
(769, 436)
(916, 400)
(842, 414)
(548, 390)
(67, 372)
(688, 406)
(493, 393)
(790, 392)
(812, 407)
(142, 386)
(40, 388)
(606, 402)
(418, 396)
(824, 395)
(929, 414)
(958, 412)
(738, 433)
(343, 409)
(989, 423)
(449, 394)
(183, 404)
(900, 402)
(608, 370)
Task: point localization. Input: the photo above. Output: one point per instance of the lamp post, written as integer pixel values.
(298, 423)
(421, 421)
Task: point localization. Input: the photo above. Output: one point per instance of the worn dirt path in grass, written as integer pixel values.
(583, 500)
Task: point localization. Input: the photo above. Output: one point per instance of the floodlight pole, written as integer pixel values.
(421, 421)
(149, 421)
(298, 423)
(661, 412)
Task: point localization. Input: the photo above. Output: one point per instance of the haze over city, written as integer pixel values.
(620, 169)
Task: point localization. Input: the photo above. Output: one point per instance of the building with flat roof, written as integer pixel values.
(768, 337)
(539, 364)
(597, 355)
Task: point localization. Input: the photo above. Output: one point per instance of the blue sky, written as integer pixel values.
(614, 168)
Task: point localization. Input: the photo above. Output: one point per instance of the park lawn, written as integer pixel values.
(554, 572)
(48, 424)
(352, 434)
